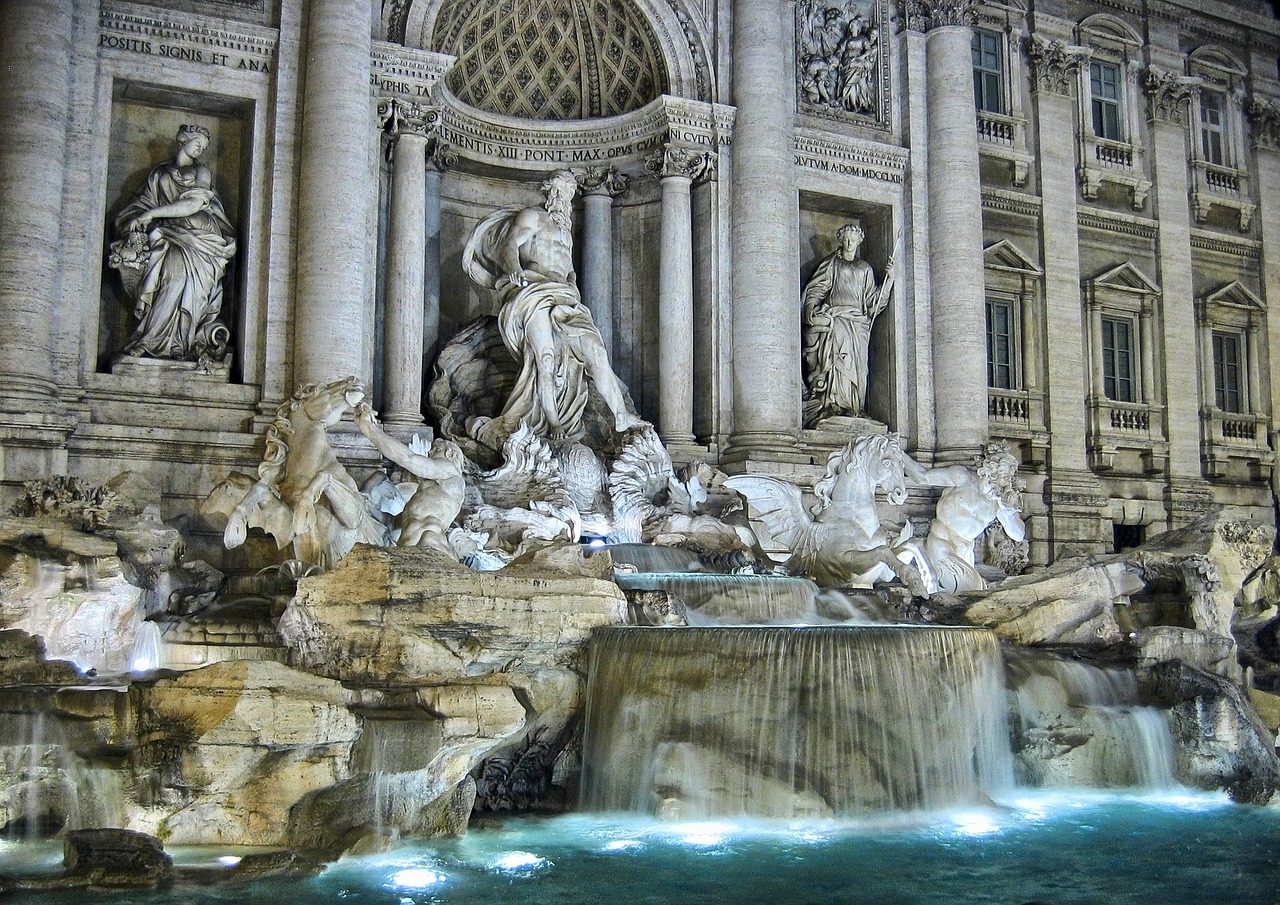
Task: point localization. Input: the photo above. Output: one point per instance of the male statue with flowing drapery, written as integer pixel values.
(526, 255)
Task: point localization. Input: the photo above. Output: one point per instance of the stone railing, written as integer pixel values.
(1009, 406)
(1235, 445)
(995, 128)
(1130, 416)
(1113, 154)
(1223, 186)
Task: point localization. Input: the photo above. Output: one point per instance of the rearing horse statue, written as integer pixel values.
(303, 495)
(840, 542)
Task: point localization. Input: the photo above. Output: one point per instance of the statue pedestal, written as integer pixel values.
(836, 431)
(162, 373)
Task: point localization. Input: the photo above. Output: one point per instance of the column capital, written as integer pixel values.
(1055, 63)
(399, 117)
(1265, 116)
(690, 163)
(601, 181)
(926, 15)
(440, 155)
(1169, 94)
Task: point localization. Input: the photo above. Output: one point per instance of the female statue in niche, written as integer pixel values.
(841, 302)
(176, 243)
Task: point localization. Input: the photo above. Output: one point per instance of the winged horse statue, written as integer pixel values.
(840, 541)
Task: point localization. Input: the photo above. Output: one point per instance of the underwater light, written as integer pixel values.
(524, 863)
(229, 860)
(416, 878)
(975, 823)
(622, 845)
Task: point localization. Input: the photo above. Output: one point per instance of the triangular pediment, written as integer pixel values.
(1236, 295)
(1007, 256)
(1125, 278)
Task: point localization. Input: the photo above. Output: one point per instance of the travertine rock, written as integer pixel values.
(408, 617)
(231, 747)
(1073, 602)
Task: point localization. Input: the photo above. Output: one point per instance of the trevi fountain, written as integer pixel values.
(456, 488)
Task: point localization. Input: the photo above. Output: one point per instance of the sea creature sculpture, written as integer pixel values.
(303, 495)
(840, 541)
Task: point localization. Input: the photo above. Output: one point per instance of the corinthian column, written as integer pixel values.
(764, 237)
(406, 264)
(677, 168)
(336, 198)
(599, 186)
(35, 88)
(955, 225)
(439, 158)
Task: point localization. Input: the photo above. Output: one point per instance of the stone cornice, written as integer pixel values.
(397, 71)
(1114, 223)
(687, 163)
(1236, 247)
(842, 155)
(1011, 202)
(924, 15)
(601, 181)
(227, 44)
(1169, 94)
(512, 143)
(1264, 114)
(1056, 64)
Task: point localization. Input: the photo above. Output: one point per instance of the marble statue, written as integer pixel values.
(841, 541)
(303, 495)
(175, 243)
(434, 498)
(526, 255)
(839, 47)
(841, 303)
(972, 500)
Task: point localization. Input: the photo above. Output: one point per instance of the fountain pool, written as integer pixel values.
(1057, 849)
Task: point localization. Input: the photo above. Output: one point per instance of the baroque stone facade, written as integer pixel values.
(1081, 199)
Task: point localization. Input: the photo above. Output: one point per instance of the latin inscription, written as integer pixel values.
(186, 54)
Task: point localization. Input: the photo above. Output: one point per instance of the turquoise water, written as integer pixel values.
(1055, 850)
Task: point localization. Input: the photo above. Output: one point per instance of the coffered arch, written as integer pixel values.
(561, 59)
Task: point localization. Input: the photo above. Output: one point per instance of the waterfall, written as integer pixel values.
(712, 599)
(148, 648)
(1079, 725)
(790, 722)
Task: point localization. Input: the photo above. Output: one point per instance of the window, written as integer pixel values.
(1104, 92)
(1000, 345)
(1127, 537)
(988, 71)
(1226, 372)
(1117, 359)
(1212, 127)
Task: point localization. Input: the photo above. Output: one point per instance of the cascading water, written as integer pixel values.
(712, 599)
(789, 722)
(148, 648)
(1082, 726)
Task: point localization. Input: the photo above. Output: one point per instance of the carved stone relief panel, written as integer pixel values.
(842, 66)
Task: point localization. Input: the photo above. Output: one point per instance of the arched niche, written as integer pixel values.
(675, 28)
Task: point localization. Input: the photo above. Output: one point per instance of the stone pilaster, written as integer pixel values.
(677, 168)
(599, 186)
(955, 225)
(35, 98)
(1181, 379)
(764, 237)
(337, 198)
(1264, 118)
(440, 157)
(409, 126)
(1074, 519)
